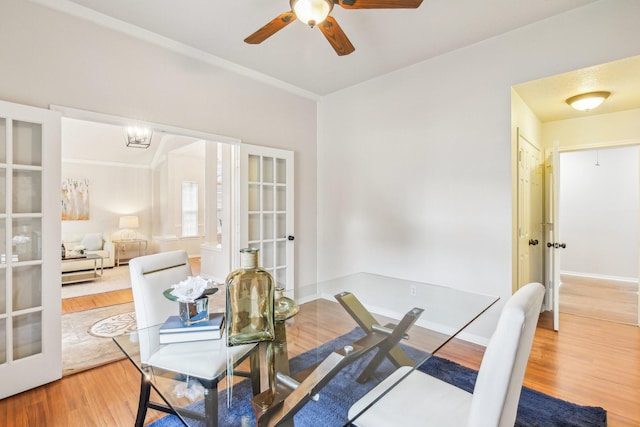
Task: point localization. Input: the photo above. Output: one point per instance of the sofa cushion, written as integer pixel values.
(92, 242)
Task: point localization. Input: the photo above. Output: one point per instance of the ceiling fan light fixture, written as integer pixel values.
(311, 12)
(588, 101)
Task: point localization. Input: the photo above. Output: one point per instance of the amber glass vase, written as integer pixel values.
(250, 299)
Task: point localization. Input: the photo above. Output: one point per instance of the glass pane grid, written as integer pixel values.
(254, 197)
(280, 277)
(3, 341)
(27, 335)
(3, 140)
(267, 197)
(268, 227)
(253, 168)
(3, 241)
(3, 189)
(281, 198)
(281, 252)
(267, 256)
(27, 287)
(26, 240)
(27, 191)
(27, 143)
(267, 170)
(3, 291)
(281, 171)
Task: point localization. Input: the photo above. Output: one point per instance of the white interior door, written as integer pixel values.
(266, 209)
(530, 232)
(30, 281)
(552, 273)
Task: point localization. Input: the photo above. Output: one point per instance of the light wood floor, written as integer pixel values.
(589, 362)
(612, 300)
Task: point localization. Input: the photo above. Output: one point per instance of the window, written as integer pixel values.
(189, 209)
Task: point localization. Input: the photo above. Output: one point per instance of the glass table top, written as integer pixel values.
(356, 319)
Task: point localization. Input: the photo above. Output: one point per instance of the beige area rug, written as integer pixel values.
(114, 279)
(82, 350)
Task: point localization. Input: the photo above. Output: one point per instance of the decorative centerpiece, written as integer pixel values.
(250, 292)
(192, 295)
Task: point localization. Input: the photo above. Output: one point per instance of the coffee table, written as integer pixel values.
(83, 275)
(416, 316)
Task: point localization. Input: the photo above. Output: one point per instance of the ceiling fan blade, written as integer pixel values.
(271, 28)
(379, 4)
(337, 38)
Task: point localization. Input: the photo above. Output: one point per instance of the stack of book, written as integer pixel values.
(174, 330)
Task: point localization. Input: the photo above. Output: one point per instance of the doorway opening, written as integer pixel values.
(599, 198)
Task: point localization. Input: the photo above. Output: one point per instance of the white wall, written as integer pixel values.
(133, 196)
(179, 168)
(599, 212)
(414, 176)
(53, 58)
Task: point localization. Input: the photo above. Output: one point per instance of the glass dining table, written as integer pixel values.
(357, 331)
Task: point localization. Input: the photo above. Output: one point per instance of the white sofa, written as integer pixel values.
(94, 243)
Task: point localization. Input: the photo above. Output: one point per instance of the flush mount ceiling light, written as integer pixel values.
(311, 12)
(588, 101)
(138, 137)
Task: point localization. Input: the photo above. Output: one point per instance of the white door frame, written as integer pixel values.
(555, 189)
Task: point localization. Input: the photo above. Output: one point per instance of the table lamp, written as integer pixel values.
(127, 224)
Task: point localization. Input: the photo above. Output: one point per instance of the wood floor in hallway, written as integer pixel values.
(613, 300)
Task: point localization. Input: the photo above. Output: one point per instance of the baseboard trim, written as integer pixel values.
(599, 276)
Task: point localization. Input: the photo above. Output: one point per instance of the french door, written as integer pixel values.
(30, 325)
(266, 210)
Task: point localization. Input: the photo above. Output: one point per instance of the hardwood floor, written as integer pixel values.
(71, 305)
(589, 362)
(612, 300)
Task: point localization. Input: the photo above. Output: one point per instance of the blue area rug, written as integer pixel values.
(535, 410)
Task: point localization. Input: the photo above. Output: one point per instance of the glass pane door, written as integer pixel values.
(267, 209)
(29, 234)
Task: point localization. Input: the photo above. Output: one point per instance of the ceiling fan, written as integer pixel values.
(316, 13)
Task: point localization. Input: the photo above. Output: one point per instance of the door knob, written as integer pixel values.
(290, 237)
(533, 242)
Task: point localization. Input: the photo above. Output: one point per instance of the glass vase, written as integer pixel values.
(250, 301)
(284, 307)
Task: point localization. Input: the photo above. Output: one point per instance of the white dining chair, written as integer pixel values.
(423, 400)
(205, 361)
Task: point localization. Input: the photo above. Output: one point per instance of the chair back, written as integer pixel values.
(497, 390)
(151, 275)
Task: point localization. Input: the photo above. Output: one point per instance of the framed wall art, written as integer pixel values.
(75, 199)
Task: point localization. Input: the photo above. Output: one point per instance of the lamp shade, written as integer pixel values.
(129, 221)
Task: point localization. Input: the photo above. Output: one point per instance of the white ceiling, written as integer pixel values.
(89, 141)
(385, 39)
(300, 59)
